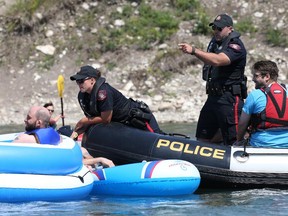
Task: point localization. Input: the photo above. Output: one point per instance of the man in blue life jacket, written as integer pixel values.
(265, 110)
(38, 131)
(37, 128)
(223, 70)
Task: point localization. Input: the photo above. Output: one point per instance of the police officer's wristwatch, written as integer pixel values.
(193, 50)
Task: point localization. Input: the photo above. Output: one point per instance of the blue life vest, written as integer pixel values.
(46, 136)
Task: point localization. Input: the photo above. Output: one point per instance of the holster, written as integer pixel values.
(139, 115)
(244, 89)
(138, 123)
(206, 72)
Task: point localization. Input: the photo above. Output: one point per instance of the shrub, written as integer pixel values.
(202, 24)
(149, 27)
(246, 26)
(185, 9)
(275, 37)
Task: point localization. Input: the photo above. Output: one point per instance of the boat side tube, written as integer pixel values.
(124, 144)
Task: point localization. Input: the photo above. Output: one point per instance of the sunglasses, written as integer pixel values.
(216, 28)
(256, 75)
(82, 80)
(50, 110)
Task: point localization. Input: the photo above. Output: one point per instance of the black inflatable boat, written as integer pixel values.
(219, 166)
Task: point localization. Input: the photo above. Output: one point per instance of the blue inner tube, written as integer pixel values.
(32, 158)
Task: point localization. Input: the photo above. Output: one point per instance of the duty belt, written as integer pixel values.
(219, 90)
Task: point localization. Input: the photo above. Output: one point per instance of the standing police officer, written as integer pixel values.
(101, 103)
(223, 70)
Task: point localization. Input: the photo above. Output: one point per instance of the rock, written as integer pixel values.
(46, 49)
(129, 85)
(119, 23)
(49, 33)
(163, 106)
(85, 6)
(163, 46)
(157, 98)
(258, 14)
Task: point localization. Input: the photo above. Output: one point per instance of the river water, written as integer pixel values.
(205, 202)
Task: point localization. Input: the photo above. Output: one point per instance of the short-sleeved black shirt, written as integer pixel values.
(109, 98)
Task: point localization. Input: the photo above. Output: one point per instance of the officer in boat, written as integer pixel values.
(101, 103)
(223, 70)
(265, 112)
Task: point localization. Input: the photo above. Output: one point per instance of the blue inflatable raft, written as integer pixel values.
(155, 178)
(34, 172)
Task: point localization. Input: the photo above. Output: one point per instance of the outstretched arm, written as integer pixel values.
(106, 162)
(209, 58)
(89, 160)
(85, 122)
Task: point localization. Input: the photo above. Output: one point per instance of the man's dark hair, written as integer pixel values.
(267, 67)
(48, 104)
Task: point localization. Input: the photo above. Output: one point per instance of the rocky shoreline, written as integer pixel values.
(179, 99)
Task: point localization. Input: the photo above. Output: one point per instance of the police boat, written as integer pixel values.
(220, 166)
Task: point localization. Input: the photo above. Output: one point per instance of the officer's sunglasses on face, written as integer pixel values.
(82, 80)
(216, 28)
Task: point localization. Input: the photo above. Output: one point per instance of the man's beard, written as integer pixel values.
(259, 86)
(30, 127)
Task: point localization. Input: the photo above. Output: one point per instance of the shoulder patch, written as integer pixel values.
(235, 46)
(102, 94)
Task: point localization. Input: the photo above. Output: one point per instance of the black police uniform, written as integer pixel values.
(226, 89)
(104, 98)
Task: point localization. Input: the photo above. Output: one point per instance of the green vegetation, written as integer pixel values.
(246, 26)
(142, 31)
(161, 67)
(202, 24)
(21, 13)
(276, 37)
(47, 62)
(143, 28)
(111, 65)
(27, 7)
(186, 9)
(192, 10)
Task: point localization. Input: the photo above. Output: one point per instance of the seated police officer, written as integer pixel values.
(101, 103)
